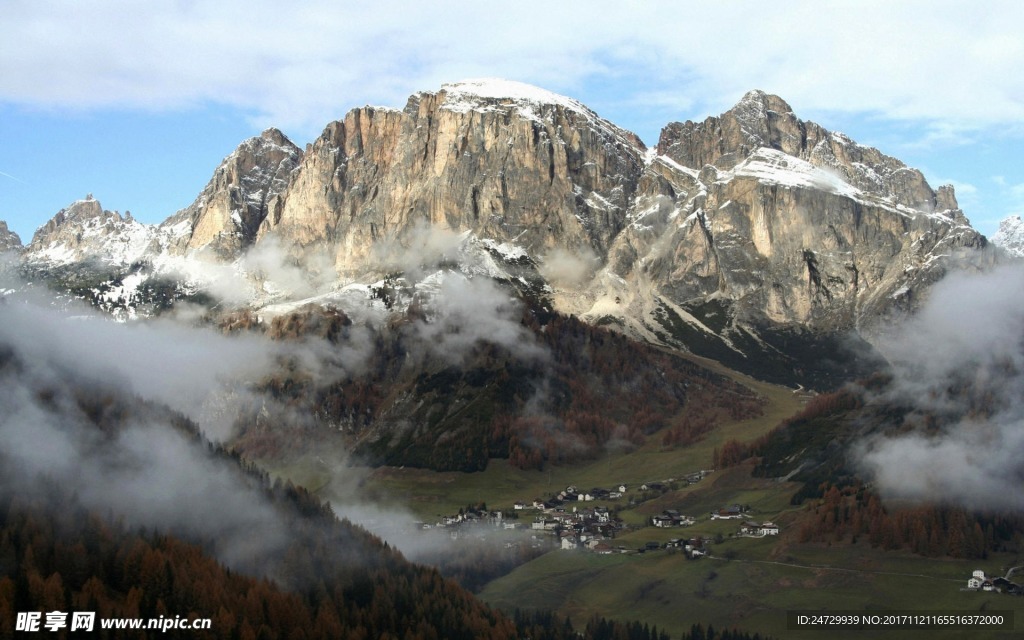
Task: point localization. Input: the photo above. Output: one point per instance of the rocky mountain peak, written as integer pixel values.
(1010, 236)
(761, 112)
(83, 209)
(226, 216)
(77, 213)
(764, 121)
(945, 198)
(763, 101)
(85, 230)
(758, 120)
(9, 240)
(276, 137)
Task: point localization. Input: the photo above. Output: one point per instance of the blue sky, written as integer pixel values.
(137, 103)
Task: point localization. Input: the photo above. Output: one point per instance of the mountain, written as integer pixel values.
(754, 237)
(796, 224)
(496, 272)
(9, 240)
(1010, 236)
(130, 268)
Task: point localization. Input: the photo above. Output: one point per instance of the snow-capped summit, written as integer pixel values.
(467, 94)
(1010, 236)
(533, 103)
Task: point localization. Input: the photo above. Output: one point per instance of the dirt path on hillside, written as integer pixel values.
(822, 567)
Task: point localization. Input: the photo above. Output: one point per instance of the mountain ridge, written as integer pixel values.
(723, 234)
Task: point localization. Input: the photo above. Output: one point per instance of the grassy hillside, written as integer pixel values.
(750, 591)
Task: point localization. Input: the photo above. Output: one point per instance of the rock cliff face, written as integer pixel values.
(785, 221)
(502, 160)
(228, 213)
(9, 241)
(728, 234)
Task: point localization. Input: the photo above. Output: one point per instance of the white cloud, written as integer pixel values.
(567, 268)
(467, 311)
(162, 361)
(960, 360)
(951, 63)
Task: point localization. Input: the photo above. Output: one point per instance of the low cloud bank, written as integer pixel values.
(146, 469)
(75, 392)
(960, 360)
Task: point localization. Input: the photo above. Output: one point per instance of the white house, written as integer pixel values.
(977, 579)
(769, 529)
(543, 524)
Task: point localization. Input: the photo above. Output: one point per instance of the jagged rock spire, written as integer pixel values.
(9, 240)
(227, 214)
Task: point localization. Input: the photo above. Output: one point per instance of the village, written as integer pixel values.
(571, 519)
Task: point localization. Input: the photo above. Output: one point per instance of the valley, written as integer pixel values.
(744, 582)
(501, 484)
